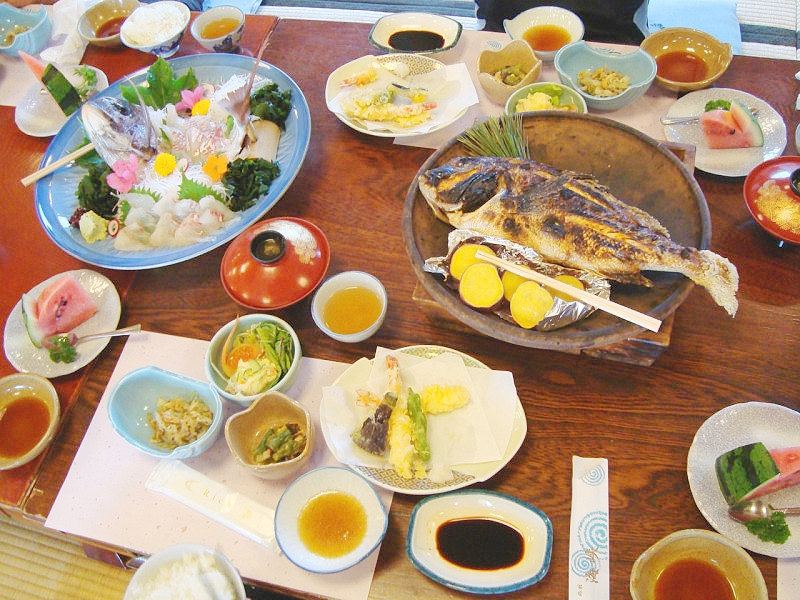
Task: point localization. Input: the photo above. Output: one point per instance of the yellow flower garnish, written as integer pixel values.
(215, 167)
(201, 107)
(164, 164)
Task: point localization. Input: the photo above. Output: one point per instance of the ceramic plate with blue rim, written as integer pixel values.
(530, 523)
(463, 475)
(55, 194)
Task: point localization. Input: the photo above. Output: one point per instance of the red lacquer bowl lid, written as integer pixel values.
(275, 263)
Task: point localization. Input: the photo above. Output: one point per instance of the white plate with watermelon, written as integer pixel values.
(26, 357)
(776, 427)
(729, 162)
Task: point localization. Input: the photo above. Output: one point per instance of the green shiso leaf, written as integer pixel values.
(196, 191)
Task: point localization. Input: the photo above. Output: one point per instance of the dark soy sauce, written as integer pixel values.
(480, 543)
(415, 40)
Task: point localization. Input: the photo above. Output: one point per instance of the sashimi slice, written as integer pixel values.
(63, 305)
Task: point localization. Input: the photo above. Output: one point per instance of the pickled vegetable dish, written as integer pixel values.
(258, 359)
(280, 444)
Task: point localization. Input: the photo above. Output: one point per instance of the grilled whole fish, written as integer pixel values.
(569, 218)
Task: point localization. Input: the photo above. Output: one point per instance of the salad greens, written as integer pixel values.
(263, 354)
(162, 86)
(248, 179)
(271, 104)
(715, 104)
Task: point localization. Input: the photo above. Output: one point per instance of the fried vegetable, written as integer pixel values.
(530, 304)
(279, 445)
(480, 286)
(373, 434)
(464, 257)
(420, 425)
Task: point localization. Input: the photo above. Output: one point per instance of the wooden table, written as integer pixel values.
(642, 419)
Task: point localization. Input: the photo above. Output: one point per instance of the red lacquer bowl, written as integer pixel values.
(275, 263)
(779, 169)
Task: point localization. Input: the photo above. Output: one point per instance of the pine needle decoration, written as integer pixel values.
(502, 136)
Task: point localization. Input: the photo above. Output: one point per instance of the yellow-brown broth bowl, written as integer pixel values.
(715, 54)
(244, 431)
(736, 565)
(91, 21)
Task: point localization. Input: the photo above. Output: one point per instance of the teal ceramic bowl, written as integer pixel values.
(33, 39)
(638, 65)
(136, 396)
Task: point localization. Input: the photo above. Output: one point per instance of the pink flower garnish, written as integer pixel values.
(190, 97)
(124, 175)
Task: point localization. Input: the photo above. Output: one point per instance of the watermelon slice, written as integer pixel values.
(61, 307)
(62, 91)
(751, 471)
(734, 128)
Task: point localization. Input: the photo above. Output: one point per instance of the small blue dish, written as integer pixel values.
(638, 65)
(33, 39)
(136, 396)
(531, 524)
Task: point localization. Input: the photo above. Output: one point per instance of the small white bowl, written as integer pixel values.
(342, 281)
(136, 395)
(144, 577)
(736, 564)
(214, 355)
(388, 25)
(20, 385)
(223, 43)
(316, 482)
(545, 15)
(245, 429)
(163, 46)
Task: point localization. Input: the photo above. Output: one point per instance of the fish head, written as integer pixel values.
(462, 185)
(117, 127)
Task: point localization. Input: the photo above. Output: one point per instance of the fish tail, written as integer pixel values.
(719, 276)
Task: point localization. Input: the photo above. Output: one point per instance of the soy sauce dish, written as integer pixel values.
(480, 542)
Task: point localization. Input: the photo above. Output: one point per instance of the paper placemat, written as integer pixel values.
(104, 496)
(643, 114)
(788, 578)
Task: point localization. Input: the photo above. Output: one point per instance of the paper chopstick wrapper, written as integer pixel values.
(215, 500)
(589, 558)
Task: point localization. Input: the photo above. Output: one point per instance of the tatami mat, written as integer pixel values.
(36, 564)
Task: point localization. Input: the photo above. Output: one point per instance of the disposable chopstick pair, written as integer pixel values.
(56, 164)
(604, 304)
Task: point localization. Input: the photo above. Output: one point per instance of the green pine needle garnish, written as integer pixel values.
(503, 136)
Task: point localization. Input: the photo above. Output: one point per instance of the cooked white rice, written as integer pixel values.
(195, 576)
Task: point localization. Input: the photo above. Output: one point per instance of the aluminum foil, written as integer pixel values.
(561, 314)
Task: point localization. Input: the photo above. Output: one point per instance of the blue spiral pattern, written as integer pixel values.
(593, 533)
(594, 477)
(582, 564)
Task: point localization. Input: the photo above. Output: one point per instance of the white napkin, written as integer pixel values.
(248, 7)
(788, 578)
(716, 17)
(64, 48)
(589, 558)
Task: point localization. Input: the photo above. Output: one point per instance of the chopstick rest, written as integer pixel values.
(589, 558)
(215, 500)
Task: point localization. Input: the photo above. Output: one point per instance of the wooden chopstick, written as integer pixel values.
(608, 306)
(56, 164)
